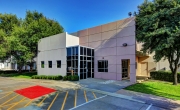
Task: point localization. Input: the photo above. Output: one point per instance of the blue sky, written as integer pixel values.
(74, 15)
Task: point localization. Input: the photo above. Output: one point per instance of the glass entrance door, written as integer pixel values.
(125, 70)
(89, 69)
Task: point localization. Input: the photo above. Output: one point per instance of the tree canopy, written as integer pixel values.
(158, 27)
(19, 37)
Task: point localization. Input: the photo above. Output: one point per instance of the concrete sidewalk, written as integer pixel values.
(114, 95)
(104, 85)
(151, 99)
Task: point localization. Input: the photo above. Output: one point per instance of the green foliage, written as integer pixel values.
(37, 26)
(163, 76)
(158, 27)
(57, 77)
(158, 88)
(75, 78)
(19, 37)
(65, 78)
(71, 78)
(14, 74)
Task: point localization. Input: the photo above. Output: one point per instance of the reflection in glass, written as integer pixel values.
(68, 51)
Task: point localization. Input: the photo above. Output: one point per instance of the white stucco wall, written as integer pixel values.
(71, 40)
(52, 48)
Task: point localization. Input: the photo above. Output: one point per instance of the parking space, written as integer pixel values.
(63, 100)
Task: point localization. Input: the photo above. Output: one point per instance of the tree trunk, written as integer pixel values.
(31, 66)
(175, 81)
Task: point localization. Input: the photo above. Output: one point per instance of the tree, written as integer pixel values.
(37, 26)
(7, 22)
(134, 14)
(158, 27)
(129, 14)
(20, 52)
(19, 37)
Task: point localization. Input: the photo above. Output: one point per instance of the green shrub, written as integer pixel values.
(65, 78)
(75, 78)
(163, 76)
(57, 77)
(69, 77)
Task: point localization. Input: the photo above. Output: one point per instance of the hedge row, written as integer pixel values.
(14, 71)
(71, 78)
(163, 76)
(58, 77)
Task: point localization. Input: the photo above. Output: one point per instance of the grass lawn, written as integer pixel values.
(26, 75)
(158, 88)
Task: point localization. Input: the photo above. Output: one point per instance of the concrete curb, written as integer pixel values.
(114, 95)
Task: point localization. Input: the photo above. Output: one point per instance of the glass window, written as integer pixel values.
(42, 64)
(81, 50)
(102, 65)
(88, 58)
(92, 52)
(68, 57)
(88, 52)
(85, 58)
(72, 50)
(50, 64)
(58, 63)
(68, 51)
(81, 57)
(68, 63)
(84, 51)
(75, 50)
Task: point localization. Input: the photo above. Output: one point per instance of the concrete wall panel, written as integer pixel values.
(95, 45)
(109, 34)
(83, 40)
(127, 31)
(130, 40)
(95, 37)
(108, 43)
(129, 50)
(83, 33)
(109, 26)
(94, 30)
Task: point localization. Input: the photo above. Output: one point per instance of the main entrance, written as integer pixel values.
(81, 60)
(125, 68)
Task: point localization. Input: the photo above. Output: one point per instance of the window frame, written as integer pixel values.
(57, 63)
(43, 64)
(49, 65)
(103, 67)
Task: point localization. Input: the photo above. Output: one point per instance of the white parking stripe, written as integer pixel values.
(149, 107)
(87, 102)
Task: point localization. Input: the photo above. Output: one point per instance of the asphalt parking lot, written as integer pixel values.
(77, 99)
(10, 100)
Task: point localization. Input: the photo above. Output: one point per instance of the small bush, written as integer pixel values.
(75, 78)
(65, 78)
(71, 78)
(163, 76)
(57, 77)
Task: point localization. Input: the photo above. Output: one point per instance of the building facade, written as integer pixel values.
(108, 51)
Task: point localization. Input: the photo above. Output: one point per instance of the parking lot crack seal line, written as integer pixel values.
(114, 95)
(87, 102)
(149, 107)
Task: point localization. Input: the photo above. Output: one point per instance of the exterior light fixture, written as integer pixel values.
(102, 57)
(124, 44)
